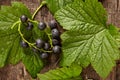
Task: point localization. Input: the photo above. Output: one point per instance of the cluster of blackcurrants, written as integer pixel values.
(55, 47)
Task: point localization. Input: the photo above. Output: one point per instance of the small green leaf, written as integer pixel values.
(88, 39)
(55, 5)
(114, 31)
(10, 49)
(65, 73)
(32, 63)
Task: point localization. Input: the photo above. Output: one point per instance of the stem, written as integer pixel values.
(118, 40)
(22, 36)
(15, 24)
(30, 44)
(50, 39)
(49, 36)
(33, 21)
(34, 14)
(41, 49)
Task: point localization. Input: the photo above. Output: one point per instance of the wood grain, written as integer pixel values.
(18, 72)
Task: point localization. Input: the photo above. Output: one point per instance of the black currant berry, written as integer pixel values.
(52, 24)
(42, 25)
(57, 49)
(29, 26)
(55, 42)
(44, 55)
(46, 46)
(24, 44)
(39, 43)
(23, 18)
(55, 33)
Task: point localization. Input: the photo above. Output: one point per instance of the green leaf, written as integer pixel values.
(79, 13)
(15, 53)
(32, 63)
(88, 39)
(114, 31)
(10, 49)
(55, 5)
(65, 73)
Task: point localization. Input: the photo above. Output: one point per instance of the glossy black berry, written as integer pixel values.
(46, 46)
(55, 33)
(44, 55)
(29, 26)
(52, 24)
(42, 25)
(57, 49)
(24, 44)
(23, 18)
(55, 42)
(39, 43)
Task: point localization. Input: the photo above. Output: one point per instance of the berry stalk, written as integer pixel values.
(49, 36)
(34, 14)
(17, 22)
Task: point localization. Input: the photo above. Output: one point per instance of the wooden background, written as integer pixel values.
(18, 72)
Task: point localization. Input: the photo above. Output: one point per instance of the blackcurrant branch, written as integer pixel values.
(22, 36)
(30, 44)
(49, 35)
(34, 14)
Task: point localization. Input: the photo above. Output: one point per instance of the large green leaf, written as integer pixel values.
(65, 73)
(55, 5)
(89, 13)
(10, 50)
(88, 39)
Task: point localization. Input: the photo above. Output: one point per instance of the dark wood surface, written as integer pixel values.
(18, 72)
